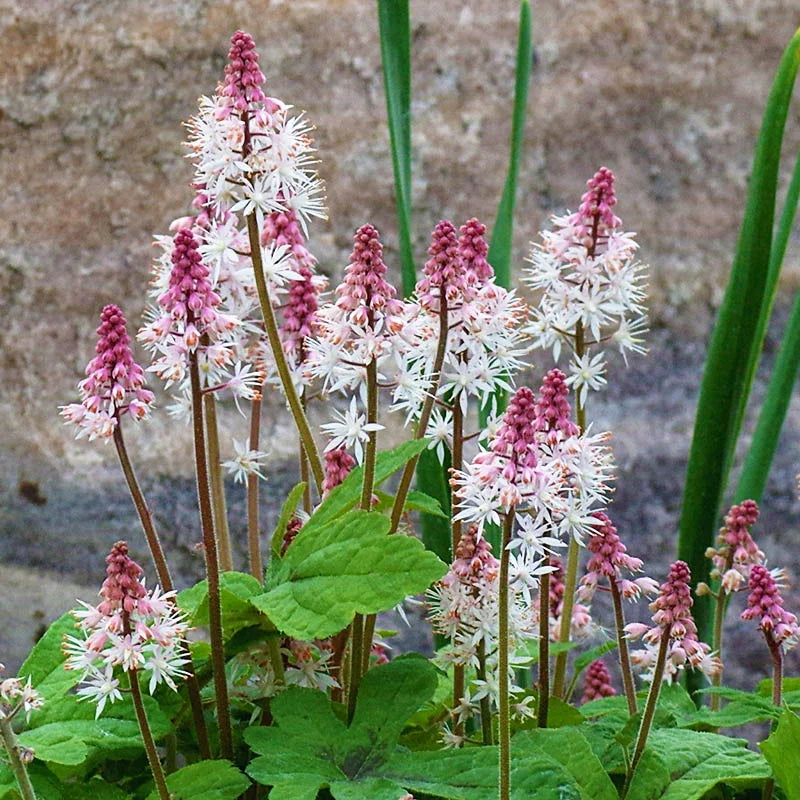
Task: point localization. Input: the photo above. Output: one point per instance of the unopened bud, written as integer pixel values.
(26, 754)
(702, 589)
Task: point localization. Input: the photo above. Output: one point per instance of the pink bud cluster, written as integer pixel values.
(552, 408)
(365, 297)
(444, 272)
(608, 560)
(595, 217)
(474, 561)
(338, 465)
(243, 78)
(736, 552)
(300, 308)
(672, 615)
(597, 682)
(765, 604)
(473, 250)
(122, 589)
(189, 297)
(513, 451)
(114, 383)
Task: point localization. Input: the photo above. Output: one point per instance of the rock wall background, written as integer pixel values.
(668, 93)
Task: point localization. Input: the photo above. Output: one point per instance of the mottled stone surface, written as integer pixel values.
(92, 94)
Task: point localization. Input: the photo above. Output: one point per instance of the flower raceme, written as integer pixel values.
(249, 153)
(765, 604)
(131, 629)
(592, 288)
(537, 462)
(672, 617)
(114, 383)
(736, 553)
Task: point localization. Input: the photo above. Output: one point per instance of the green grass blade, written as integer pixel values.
(395, 34)
(776, 401)
(779, 392)
(724, 387)
(502, 233)
(432, 478)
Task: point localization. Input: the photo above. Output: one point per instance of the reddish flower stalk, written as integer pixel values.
(673, 619)
(191, 299)
(733, 559)
(609, 558)
(780, 630)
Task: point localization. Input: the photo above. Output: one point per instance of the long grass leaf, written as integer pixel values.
(395, 34)
(724, 386)
(784, 374)
(502, 233)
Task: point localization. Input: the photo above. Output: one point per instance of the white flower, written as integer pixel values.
(246, 462)
(586, 372)
(100, 687)
(351, 430)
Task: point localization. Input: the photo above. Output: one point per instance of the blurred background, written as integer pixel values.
(667, 93)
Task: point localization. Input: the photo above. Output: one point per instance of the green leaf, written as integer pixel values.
(351, 565)
(66, 732)
(310, 748)
(782, 750)
(207, 780)
(419, 501)
(725, 386)
(694, 763)
(287, 510)
(236, 591)
(348, 493)
(45, 784)
(45, 662)
(395, 33)
(544, 765)
(569, 748)
(96, 789)
(741, 709)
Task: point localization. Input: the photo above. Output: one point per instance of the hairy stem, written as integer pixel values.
(486, 707)
(144, 726)
(212, 564)
(719, 621)
(218, 504)
(356, 658)
(271, 327)
(165, 579)
(650, 706)
(544, 647)
(253, 533)
(12, 748)
(777, 696)
(622, 642)
(573, 554)
(425, 415)
(372, 443)
(502, 666)
(363, 629)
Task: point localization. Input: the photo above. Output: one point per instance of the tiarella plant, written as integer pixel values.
(278, 681)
